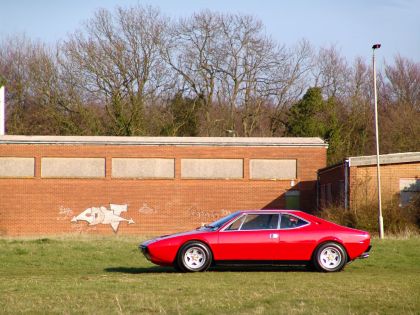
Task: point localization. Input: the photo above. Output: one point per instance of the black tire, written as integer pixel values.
(310, 266)
(194, 257)
(329, 257)
(176, 267)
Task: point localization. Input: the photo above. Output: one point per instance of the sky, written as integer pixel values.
(352, 26)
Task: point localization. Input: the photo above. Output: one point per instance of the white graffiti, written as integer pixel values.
(102, 215)
(64, 213)
(194, 211)
(145, 209)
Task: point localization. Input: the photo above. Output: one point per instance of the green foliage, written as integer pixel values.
(304, 116)
(313, 116)
(108, 275)
(397, 220)
(2, 81)
(184, 114)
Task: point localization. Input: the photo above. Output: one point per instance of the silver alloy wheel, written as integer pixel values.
(330, 257)
(195, 257)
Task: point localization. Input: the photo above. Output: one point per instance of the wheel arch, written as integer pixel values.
(193, 241)
(331, 240)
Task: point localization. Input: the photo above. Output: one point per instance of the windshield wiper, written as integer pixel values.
(205, 226)
(211, 227)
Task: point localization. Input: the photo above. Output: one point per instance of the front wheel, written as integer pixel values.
(193, 257)
(330, 257)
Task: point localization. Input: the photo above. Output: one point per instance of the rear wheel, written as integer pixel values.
(193, 257)
(330, 257)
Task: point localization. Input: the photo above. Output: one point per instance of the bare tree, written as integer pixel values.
(404, 82)
(229, 62)
(400, 95)
(134, 72)
(254, 70)
(330, 72)
(13, 63)
(34, 93)
(117, 60)
(288, 80)
(193, 53)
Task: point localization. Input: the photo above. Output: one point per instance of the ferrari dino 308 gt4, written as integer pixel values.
(261, 237)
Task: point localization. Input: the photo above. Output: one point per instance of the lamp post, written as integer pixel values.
(378, 169)
(2, 111)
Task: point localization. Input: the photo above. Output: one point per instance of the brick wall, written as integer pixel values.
(42, 206)
(363, 182)
(331, 186)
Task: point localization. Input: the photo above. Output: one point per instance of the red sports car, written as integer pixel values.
(261, 237)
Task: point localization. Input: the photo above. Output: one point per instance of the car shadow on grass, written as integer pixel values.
(137, 270)
(157, 269)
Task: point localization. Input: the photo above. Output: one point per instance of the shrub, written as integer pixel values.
(397, 220)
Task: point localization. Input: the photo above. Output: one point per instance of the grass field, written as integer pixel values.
(109, 276)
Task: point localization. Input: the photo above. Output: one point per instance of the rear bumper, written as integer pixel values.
(366, 253)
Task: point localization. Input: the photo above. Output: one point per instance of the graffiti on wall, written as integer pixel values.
(113, 215)
(146, 209)
(195, 212)
(66, 214)
(102, 215)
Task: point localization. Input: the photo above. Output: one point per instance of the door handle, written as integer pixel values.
(274, 235)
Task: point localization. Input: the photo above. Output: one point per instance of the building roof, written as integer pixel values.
(176, 141)
(393, 158)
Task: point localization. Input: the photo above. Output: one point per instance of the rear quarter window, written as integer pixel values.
(289, 221)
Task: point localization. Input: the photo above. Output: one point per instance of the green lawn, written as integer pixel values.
(109, 276)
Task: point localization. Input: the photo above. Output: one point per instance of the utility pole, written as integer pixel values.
(378, 168)
(2, 111)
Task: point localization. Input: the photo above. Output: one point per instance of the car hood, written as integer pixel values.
(193, 232)
(175, 235)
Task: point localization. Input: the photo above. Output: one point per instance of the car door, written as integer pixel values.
(253, 236)
(296, 241)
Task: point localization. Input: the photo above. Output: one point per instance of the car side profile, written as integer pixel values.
(261, 237)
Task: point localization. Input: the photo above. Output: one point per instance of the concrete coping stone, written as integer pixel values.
(393, 158)
(170, 141)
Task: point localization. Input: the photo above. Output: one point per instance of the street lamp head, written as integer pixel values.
(376, 46)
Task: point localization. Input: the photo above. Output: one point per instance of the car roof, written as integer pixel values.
(270, 211)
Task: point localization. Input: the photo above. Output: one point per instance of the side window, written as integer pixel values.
(236, 224)
(260, 222)
(289, 221)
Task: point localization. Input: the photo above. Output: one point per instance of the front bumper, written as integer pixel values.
(145, 251)
(366, 253)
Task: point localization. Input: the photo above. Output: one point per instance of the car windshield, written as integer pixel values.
(219, 223)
